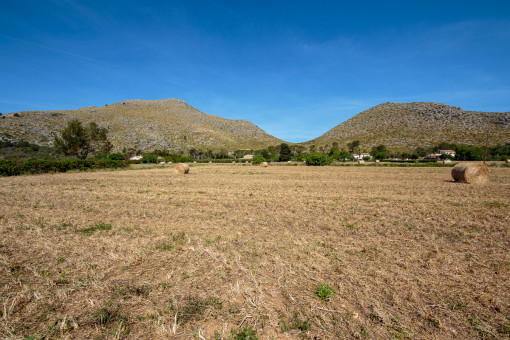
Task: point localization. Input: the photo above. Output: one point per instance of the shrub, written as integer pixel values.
(258, 159)
(116, 157)
(317, 158)
(40, 166)
(150, 158)
(184, 159)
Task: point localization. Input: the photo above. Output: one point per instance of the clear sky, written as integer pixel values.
(294, 68)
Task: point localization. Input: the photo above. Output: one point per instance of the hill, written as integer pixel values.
(409, 125)
(142, 124)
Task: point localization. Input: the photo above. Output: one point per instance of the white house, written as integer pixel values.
(248, 157)
(361, 155)
(136, 158)
(447, 152)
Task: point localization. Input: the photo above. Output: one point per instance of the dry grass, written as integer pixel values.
(311, 252)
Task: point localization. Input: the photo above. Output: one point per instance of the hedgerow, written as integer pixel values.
(41, 166)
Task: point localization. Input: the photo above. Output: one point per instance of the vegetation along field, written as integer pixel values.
(245, 252)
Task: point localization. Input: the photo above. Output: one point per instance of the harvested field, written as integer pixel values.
(229, 250)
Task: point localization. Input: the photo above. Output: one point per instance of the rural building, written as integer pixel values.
(433, 156)
(136, 158)
(361, 155)
(447, 152)
(248, 156)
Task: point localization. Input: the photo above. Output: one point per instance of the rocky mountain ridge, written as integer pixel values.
(175, 125)
(142, 124)
(410, 125)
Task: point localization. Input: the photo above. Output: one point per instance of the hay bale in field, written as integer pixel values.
(181, 168)
(360, 161)
(263, 164)
(210, 162)
(507, 161)
(472, 173)
(447, 161)
(377, 161)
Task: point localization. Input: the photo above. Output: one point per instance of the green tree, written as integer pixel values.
(317, 158)
(285, 152)
(150, 158)
(499, 152)
(98, 138)
(469, 153)
(77, 140)
(344, 155)
(353, 146)
(258, 159)
(421, 152)
(334, 151)
(193, 152)
(379, 152)
(273, 151)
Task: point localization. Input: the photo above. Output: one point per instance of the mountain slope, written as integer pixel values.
(142, 124)
(411, 125)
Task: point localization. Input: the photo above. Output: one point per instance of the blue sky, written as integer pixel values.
(294, 68)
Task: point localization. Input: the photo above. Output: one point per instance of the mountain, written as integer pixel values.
(175, 125)
(409, 125)
(142, 124)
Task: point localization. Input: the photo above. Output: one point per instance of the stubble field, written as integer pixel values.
(228, 252)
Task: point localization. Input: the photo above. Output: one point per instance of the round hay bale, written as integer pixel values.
(210, 162)
(472, 173)
(377, 161)
(360, 161)
(181, 168)
(447, 161)
(263, 164)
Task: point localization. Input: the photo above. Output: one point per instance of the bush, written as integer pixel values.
(40, 166)
(150, 158)
(185, 159)
(317, 158)
(258, 159)
(116, 157)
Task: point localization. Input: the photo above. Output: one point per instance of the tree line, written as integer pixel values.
(81, 141)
